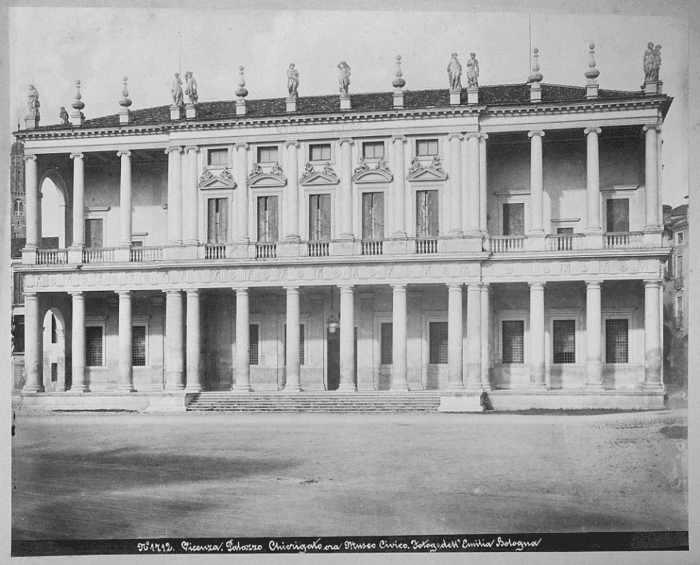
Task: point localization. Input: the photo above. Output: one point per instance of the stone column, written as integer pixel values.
(399, 187)
(78, 343)
(190, 200)
(454, 338)
(652, 335)
(242, 190)
(293, 337)
(593, 223)
(651, 179)
(537, 376)
(473, 181)
(242, 383)
(33, 344)
(536, 183)
(78, 200)
(346, 230)
(473, 337)
(483, 185)
(126, 375)
(347, 339)
(594, 376)
(485, 337)
(174, 195)
(175, 375)
(125, 199)
(455, 140)
(194, 350)
(292, 192)
(399, 377)
(33, 200)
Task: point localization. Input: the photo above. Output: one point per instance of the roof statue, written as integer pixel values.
(33, 101)
(454, 72)
(472, 71)
(64, 116)
(344, 79)
(292, 81)
(177, 90)
(652, 62)
(191, 87)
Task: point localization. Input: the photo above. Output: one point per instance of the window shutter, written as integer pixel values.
(93, 233)
(273, 218)
(433, 214)
(421, 213)
(211, 220)
(313, 217)
(325, 216)
(262, 218)
(223, 220)
(367, 215)
(618, 215)
(378, 216)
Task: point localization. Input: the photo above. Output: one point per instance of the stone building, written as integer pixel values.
(495, 244)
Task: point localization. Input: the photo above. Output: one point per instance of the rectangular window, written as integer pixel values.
(94, 346)
(564, 231)
(373, 216)
(679, 309)
(18, 335)
(618, 215)
(267, 219)
(138, 346)
(564, 339)
(93, 233)
(218, 157)
(254, 337)
(319, 217)
(427, 217)
(679, 268)
(373, 149)
(54, 333)
(426, 147)
(136, 243)
(514, 219)
(617, 341)
(17, 288)
(217, 220)
(268, 155)
(680, 238)
(387, 343)
(54, 372)
(302, 347)
(438, 343)
(513, 336)
(320, 152)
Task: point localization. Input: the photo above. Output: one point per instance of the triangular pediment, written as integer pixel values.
(426, 174)
(223, 180)
(369, 176)
(266, 180)
(318, 178)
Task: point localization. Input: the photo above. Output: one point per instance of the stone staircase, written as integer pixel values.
(317, 401)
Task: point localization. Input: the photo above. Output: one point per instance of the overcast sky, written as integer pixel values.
(101, 45)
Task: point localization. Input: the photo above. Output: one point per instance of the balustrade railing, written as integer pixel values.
(565, 241)
(141, 254)
(318, 248)
(426, 245)
(265, 250)
(51, 256)
(623, 239)
(215, 251)
(98, 255)
(370, 247)
(507, 243)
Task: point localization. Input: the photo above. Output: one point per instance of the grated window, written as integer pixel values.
(387, 337)
(138, 346)
(438, 343)
(94, 346)
(616, 341)
(513, 332)
(564, 341)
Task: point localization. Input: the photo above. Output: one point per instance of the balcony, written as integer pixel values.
(145, 254)
(318, 248)
(507, 243)
(623, 240)
(51, 256)
(371, 247)
(426, 245)
(265, 250)
(565, 242)
(99, 255)
(215, 251)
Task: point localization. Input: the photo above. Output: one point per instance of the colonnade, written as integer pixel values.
(467, 370)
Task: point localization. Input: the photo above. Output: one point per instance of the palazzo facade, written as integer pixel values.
(500, 239)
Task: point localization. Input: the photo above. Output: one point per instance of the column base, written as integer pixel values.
(294, 389)
(473, 388)
(347, 387)
(538, 386)
(455, 387)
(242, 389)
(126, 388)
(653, 386)
(193, 389)
(593, 387)
(79, 389)
(33, 389)
(399, 387)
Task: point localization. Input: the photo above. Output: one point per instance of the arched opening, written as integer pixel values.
(54, 340)
(56, 213)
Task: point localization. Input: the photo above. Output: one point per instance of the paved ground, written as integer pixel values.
(137, 475)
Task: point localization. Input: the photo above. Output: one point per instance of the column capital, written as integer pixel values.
(399, 287)
(291, 143)
(537, 285)
(348, 140)
(241, 146)
(346, 288)
(451, 136)
(649, 283)
(474, 287)
(30, 157)
(472, 134)
(77, 294)
(654, 127)
(454, 287)
(32, 294)
(401, 138)
(593, 284)
(593, 129)
(191, 148)
(173, 291)
(174, 149)
(123, 153)
(79, 155)
(535, 133)
(292, 289)
(124, 293)
(241, 290)
(484, 136)
(192, 292)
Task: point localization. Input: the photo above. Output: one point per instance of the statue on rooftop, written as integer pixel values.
(292, 81)
(344, 79)
(454, 72)
(472, 71)
(33, 101)
(652, 62)
(177, 90)
(191, 87)
(64, 116)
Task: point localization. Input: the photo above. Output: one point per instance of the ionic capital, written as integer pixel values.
(242, 291)
(78, 155)
(537, 286)
(484, 136)
(291, 143)
(597, 130)
(452, 136)
(30, 157)
(454, 287)
(401, 138)
(124, 294)
(346, 289)
(535, 133)
(123, 153)
(593, 284)
(173, 291)
(243, 146)
(650, 127)
(655, 283)
(77, 295)
(193, 292)
(192, 149)
(401, 287)
(347, 140)
(291, 289)
(472, 134)
(173, 150)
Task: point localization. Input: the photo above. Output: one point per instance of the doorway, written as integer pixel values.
(333, 369)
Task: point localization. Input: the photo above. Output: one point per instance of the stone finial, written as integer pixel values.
(125, 102)
(536, 75)
(592, 74)
(241, 93)
(77, 118)
(398, 81)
